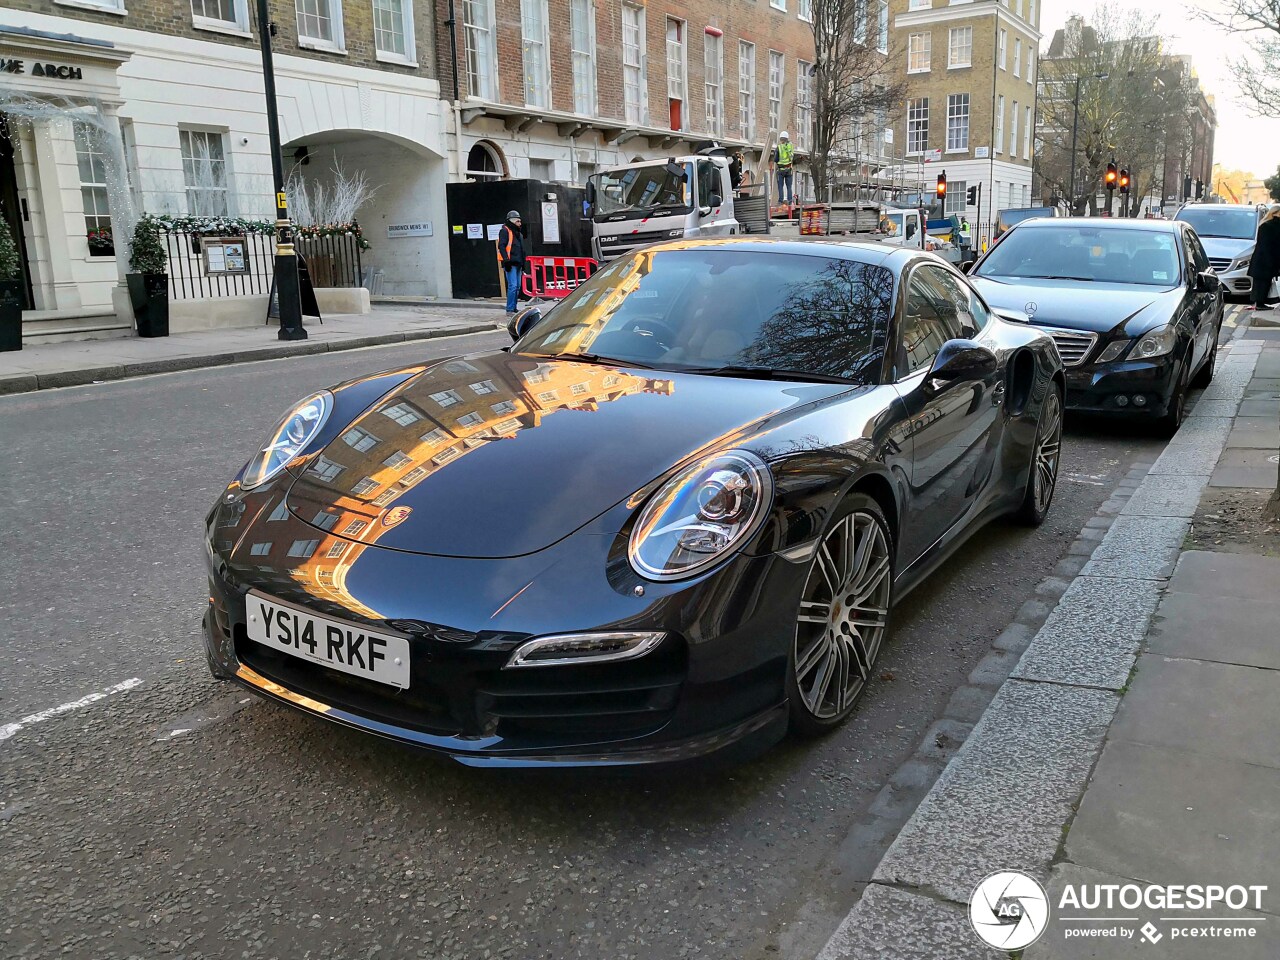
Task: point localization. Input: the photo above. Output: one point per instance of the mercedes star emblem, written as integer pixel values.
(1031, 308)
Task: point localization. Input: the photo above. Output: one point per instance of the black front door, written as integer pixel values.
(10, 209)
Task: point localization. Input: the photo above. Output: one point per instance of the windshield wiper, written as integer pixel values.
(768, 373)
(1082, 279)
(597, 358)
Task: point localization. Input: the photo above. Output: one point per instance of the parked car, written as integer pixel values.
(1133, 305)
(674, 516)
(1007, 218)
(1229, 232)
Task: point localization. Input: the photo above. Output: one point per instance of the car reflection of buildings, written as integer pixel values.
(454, 409)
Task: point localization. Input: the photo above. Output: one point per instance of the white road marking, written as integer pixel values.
(9, 729)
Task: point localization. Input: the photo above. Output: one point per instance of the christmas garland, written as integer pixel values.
(241, 226)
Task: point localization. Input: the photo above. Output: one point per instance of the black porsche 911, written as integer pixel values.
(675, 515)
(1134, 306)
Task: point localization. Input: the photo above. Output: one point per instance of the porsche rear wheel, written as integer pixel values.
(842, 619)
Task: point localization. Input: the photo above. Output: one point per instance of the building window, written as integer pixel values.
(477, 25)
(446, 398)
(471, 419)
(804, 104)
(354, 527)
(1031, 12)
(360, 439)
(320, 23)
(397, 460)
(919, 52)
(917, 126)
(747, 91)
(483, 387)
(920, 4)
(393, 30)
(777, 64)
(365, 485)
(324, 521)
(337, 550)
(958, 121)
(503, 408)
(676, 72)
(1013, 131)
(1026, 134)
(635, 72)
(1031, 59)
(403, 413)
(1017, 57)
(778, 4)
(435, 437)
(413, 476)
(204, 171)
(218, 14)
(582, 33)
(533, 33)
(1003, 50)
(444, 456)
(804, 10)
(260, 549)
(281, 512)
(957, 192)
(960, 47)
(882, 41)
(303, 548)
(385, 497)
(999, 147)
(93, 192)
(325, 469)
(713, 67)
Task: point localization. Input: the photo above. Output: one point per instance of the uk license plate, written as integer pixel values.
(349, 647)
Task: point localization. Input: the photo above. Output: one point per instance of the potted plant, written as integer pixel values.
(10, 291)
(101, 243)
(149, 282)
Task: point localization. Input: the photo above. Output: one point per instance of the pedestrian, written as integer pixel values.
(1265, 265)
(782, 161)
(511, 253)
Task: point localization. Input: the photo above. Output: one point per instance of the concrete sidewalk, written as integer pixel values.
(88, 361)
(1134, 741)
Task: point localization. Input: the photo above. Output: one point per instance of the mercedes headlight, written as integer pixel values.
(1157, 343)
(290, 437)
(1242, 263)
(700, 514)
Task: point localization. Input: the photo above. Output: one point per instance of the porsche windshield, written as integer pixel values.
(1067, 251)
(713, 307)
(648, 189)
(1231, 223)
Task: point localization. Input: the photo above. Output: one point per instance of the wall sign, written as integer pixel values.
(57, 70)
(224, 255)
(981, 153)
(395, 230)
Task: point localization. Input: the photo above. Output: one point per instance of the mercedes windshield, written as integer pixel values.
(1229, 223)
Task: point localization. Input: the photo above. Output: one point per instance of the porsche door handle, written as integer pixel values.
(997, 395)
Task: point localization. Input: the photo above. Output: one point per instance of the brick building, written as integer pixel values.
(554, 89)
(157, 106)
(970, 69)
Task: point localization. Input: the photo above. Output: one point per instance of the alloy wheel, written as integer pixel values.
(843, 614)
(1048, 446)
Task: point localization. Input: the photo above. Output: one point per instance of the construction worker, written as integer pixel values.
(966, 238)
(511, 253)
(782, 161)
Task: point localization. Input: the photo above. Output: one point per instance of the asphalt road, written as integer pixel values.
(175, 817)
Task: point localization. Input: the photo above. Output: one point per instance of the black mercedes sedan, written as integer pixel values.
(1133, 305)
(675, 515)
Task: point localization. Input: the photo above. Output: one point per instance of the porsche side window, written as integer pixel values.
(932, 317)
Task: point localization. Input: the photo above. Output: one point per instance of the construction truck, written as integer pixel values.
(636, 204)
(899, 225)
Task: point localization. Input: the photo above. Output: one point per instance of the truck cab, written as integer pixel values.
(637, 204)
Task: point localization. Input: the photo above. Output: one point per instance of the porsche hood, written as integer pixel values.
(501, 455)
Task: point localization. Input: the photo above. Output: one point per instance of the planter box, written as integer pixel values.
(10, 315)
(149, 295)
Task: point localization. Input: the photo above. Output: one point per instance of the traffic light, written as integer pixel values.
(1124, 181)
(1186, 188)
(971, 196)
(1199, 189)
(1112, 176)
(942, 185)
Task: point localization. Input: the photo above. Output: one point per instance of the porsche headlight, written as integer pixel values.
(700, 514)
(290, 437)
(1157, 343)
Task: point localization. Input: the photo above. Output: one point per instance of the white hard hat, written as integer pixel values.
(784, 135)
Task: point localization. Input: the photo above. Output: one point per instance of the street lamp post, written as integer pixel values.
(1075, 132)
(286, 266)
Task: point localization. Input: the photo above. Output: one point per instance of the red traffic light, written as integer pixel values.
(942, 184)
(1112, 176)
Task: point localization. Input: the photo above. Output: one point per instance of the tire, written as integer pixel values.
(1168, 425)
(842, 617)
(1205, 375)
(1046, 458)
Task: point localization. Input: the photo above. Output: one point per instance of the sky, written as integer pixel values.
(1244, 142)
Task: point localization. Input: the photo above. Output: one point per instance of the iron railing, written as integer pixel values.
(333, 261)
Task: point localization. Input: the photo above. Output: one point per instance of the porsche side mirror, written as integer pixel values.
(962, 360)
(524, 321)
(1207, 282)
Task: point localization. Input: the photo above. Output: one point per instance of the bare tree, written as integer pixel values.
(1133, 105)
(854, 87)
(1258, 70)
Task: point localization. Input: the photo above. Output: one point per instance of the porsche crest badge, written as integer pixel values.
(395, 515)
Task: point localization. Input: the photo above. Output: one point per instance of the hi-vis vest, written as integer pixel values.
(786, 153)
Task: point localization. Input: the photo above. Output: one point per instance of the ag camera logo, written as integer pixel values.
(1009, 910)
